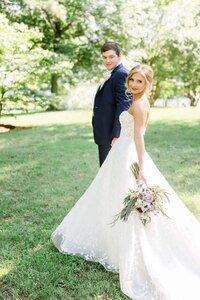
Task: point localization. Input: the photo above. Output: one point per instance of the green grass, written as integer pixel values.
(44, 171)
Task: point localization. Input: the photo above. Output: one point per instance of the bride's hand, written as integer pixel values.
(142, 176)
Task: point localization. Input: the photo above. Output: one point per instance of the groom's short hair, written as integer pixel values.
(111, 46)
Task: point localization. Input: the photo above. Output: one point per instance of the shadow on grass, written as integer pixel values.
(43, 173)
(175, 148)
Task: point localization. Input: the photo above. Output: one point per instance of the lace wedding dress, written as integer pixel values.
(159, 261)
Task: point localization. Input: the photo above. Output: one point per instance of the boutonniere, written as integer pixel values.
(107, 75)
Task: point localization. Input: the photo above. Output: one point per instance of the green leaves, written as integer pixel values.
(135, 169)
(145, 200)
(46, 39)
(26, 68)
(165, 34)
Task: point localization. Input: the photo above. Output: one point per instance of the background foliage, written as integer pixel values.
(48, 46)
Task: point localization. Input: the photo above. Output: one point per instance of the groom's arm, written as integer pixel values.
(121, 101)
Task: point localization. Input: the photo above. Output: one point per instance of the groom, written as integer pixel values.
(110, 100)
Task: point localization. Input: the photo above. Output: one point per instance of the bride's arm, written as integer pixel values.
(140, 116)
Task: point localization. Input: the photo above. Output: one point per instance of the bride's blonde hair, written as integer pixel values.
(146, 71)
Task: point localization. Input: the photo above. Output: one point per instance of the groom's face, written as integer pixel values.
(110, 59)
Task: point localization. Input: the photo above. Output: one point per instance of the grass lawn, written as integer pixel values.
(44, 171)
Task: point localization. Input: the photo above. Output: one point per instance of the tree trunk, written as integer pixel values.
(54, 84)
(154, 94)
(193, 96)
(3, 90)
(1, 107)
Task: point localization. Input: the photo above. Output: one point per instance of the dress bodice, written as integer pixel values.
(127, 124)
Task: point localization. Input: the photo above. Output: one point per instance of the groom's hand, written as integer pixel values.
(113, 141)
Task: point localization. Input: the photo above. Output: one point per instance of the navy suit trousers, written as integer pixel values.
(103, 152)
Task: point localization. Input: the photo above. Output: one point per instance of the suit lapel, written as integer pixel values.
(100, 88)
(103, 86)
(113, 71)
(116, 69)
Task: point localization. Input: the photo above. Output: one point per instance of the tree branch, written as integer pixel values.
(48, 19)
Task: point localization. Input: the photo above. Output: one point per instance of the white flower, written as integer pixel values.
(107, 75)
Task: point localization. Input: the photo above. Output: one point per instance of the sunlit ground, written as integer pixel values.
(44, 171)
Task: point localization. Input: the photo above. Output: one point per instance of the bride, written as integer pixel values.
(159, 261)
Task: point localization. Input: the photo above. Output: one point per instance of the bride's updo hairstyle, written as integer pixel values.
(146, 71)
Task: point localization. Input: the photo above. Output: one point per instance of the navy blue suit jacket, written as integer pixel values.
(109, 102)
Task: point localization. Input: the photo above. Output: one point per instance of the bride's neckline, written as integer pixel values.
(129, 113)
(145, 127)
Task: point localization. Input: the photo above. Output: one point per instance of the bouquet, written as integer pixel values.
(146, 200)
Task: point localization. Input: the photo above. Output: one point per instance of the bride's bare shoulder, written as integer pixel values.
(141, 106)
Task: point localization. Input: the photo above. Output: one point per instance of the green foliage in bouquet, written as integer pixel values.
(146, 200)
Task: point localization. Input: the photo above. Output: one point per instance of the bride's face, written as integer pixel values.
(137, 84)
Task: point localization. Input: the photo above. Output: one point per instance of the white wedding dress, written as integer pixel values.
(159, 261)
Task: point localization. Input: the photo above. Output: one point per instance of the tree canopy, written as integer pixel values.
(48, 45)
